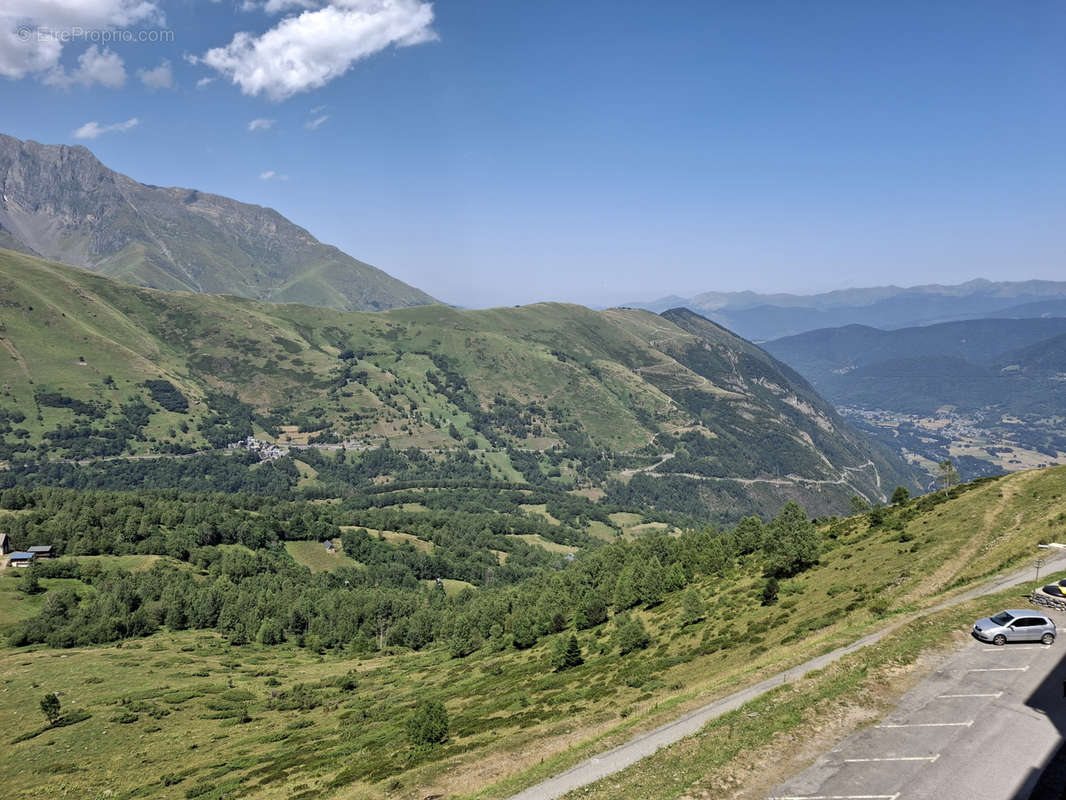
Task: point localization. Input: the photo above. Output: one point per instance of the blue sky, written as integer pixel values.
(493, 152)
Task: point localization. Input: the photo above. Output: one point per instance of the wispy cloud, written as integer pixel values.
(271, 175)
(200, 84)
(311, 49)
(261, 124)
(95, 66)
(161, 77)
(316, 123)
(90, 130)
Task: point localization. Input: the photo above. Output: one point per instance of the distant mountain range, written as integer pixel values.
(667, 411)
(993, 388)
(764, 317)
(1015, 364)
(61, 203)
(835, 358)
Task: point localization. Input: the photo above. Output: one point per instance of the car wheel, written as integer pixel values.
(1048, 638)
(999, 639)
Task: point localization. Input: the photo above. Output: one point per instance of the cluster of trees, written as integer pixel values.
(167, 395)
(259, 593)
(184, 526)
(239, 472)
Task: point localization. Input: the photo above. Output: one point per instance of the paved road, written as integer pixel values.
(625, 755)
(982, 725)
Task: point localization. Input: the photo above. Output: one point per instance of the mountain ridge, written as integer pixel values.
(548, 378)
(766, 317)
(62, 203)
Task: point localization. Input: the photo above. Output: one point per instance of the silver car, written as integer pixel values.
(1015, 625)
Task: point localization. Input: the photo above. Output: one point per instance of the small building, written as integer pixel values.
(21, 559)
(5, 544)
(42, 550)
(329, 546)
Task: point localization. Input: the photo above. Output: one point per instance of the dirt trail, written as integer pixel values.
(949, 570)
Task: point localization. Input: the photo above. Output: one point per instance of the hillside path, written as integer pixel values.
(625, 755)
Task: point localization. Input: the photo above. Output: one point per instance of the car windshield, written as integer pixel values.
(1002, 618)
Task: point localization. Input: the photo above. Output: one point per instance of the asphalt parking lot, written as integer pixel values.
(982, 725)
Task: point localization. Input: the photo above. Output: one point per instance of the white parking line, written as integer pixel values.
(836, 797)
(966, 724)
(1000, 669)
(930, 759)
(950, 696)
(1011, 649)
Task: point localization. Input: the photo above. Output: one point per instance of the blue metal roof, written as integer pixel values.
(22, 556)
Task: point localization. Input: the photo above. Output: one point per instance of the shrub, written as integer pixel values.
(630, 634)
(199, 789)
(769, 591)
(428, 723)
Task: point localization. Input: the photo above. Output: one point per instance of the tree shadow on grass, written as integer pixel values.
(67, 719)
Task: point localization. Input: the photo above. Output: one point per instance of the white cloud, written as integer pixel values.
(90, 130)
(276, 6)
(316, 123)
(260, 124)
(33, 32)
(161, 77)
(270, 175)
(104, 67)
(317, 110)
(200, 84)
(307, 51)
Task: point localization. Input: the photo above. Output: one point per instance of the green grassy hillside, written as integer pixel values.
(188, 714)
(671, 410)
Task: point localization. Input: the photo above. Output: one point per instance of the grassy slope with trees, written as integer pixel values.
(553, 393)
(225, 669)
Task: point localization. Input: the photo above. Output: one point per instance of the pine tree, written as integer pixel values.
(900, 496)
(691, 606)
(572, 657)
(464, 637)
(523, 631)
(792, 543)
(30, 584)
(652, 582)
(748, 535)
(675, 577)
(626, 590)
(50, 707)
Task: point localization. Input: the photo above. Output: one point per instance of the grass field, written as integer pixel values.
(541, 510)
(624, 519)
(16, 606)
(452, 586)
(133, 563)
(398, 538)
(187, 715)
(540, 541)
(602, 531)
(317, 558)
